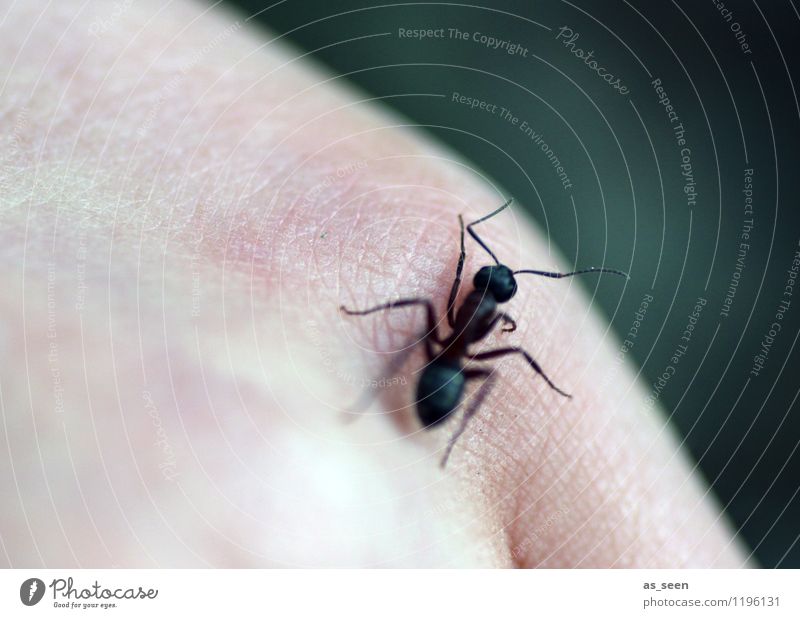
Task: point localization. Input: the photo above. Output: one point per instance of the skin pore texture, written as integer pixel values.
(185, 204)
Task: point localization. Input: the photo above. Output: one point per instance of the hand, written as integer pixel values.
(184, 209)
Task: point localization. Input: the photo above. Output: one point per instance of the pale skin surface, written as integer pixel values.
(179, 225)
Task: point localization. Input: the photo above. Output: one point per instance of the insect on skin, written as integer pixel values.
(441, 386)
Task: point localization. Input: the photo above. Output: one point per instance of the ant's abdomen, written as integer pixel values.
(439, 392)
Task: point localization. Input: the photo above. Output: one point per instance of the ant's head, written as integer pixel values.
(496, 280)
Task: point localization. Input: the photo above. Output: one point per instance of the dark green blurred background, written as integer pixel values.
(739, 110)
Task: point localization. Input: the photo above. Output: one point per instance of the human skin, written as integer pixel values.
(184, 208)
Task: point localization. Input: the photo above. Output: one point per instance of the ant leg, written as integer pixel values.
(451, 303)
(403, 302)
(507, 319)
(505, 351)
(474, 406)
(482, 219)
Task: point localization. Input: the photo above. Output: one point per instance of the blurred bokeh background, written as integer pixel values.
(688, 220)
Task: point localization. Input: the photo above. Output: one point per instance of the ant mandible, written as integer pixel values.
(441, 386)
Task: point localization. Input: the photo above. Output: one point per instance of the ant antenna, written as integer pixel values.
(489, 216)
(542, 273)
(577, 272)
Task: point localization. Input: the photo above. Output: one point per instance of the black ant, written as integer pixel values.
(441, 385)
